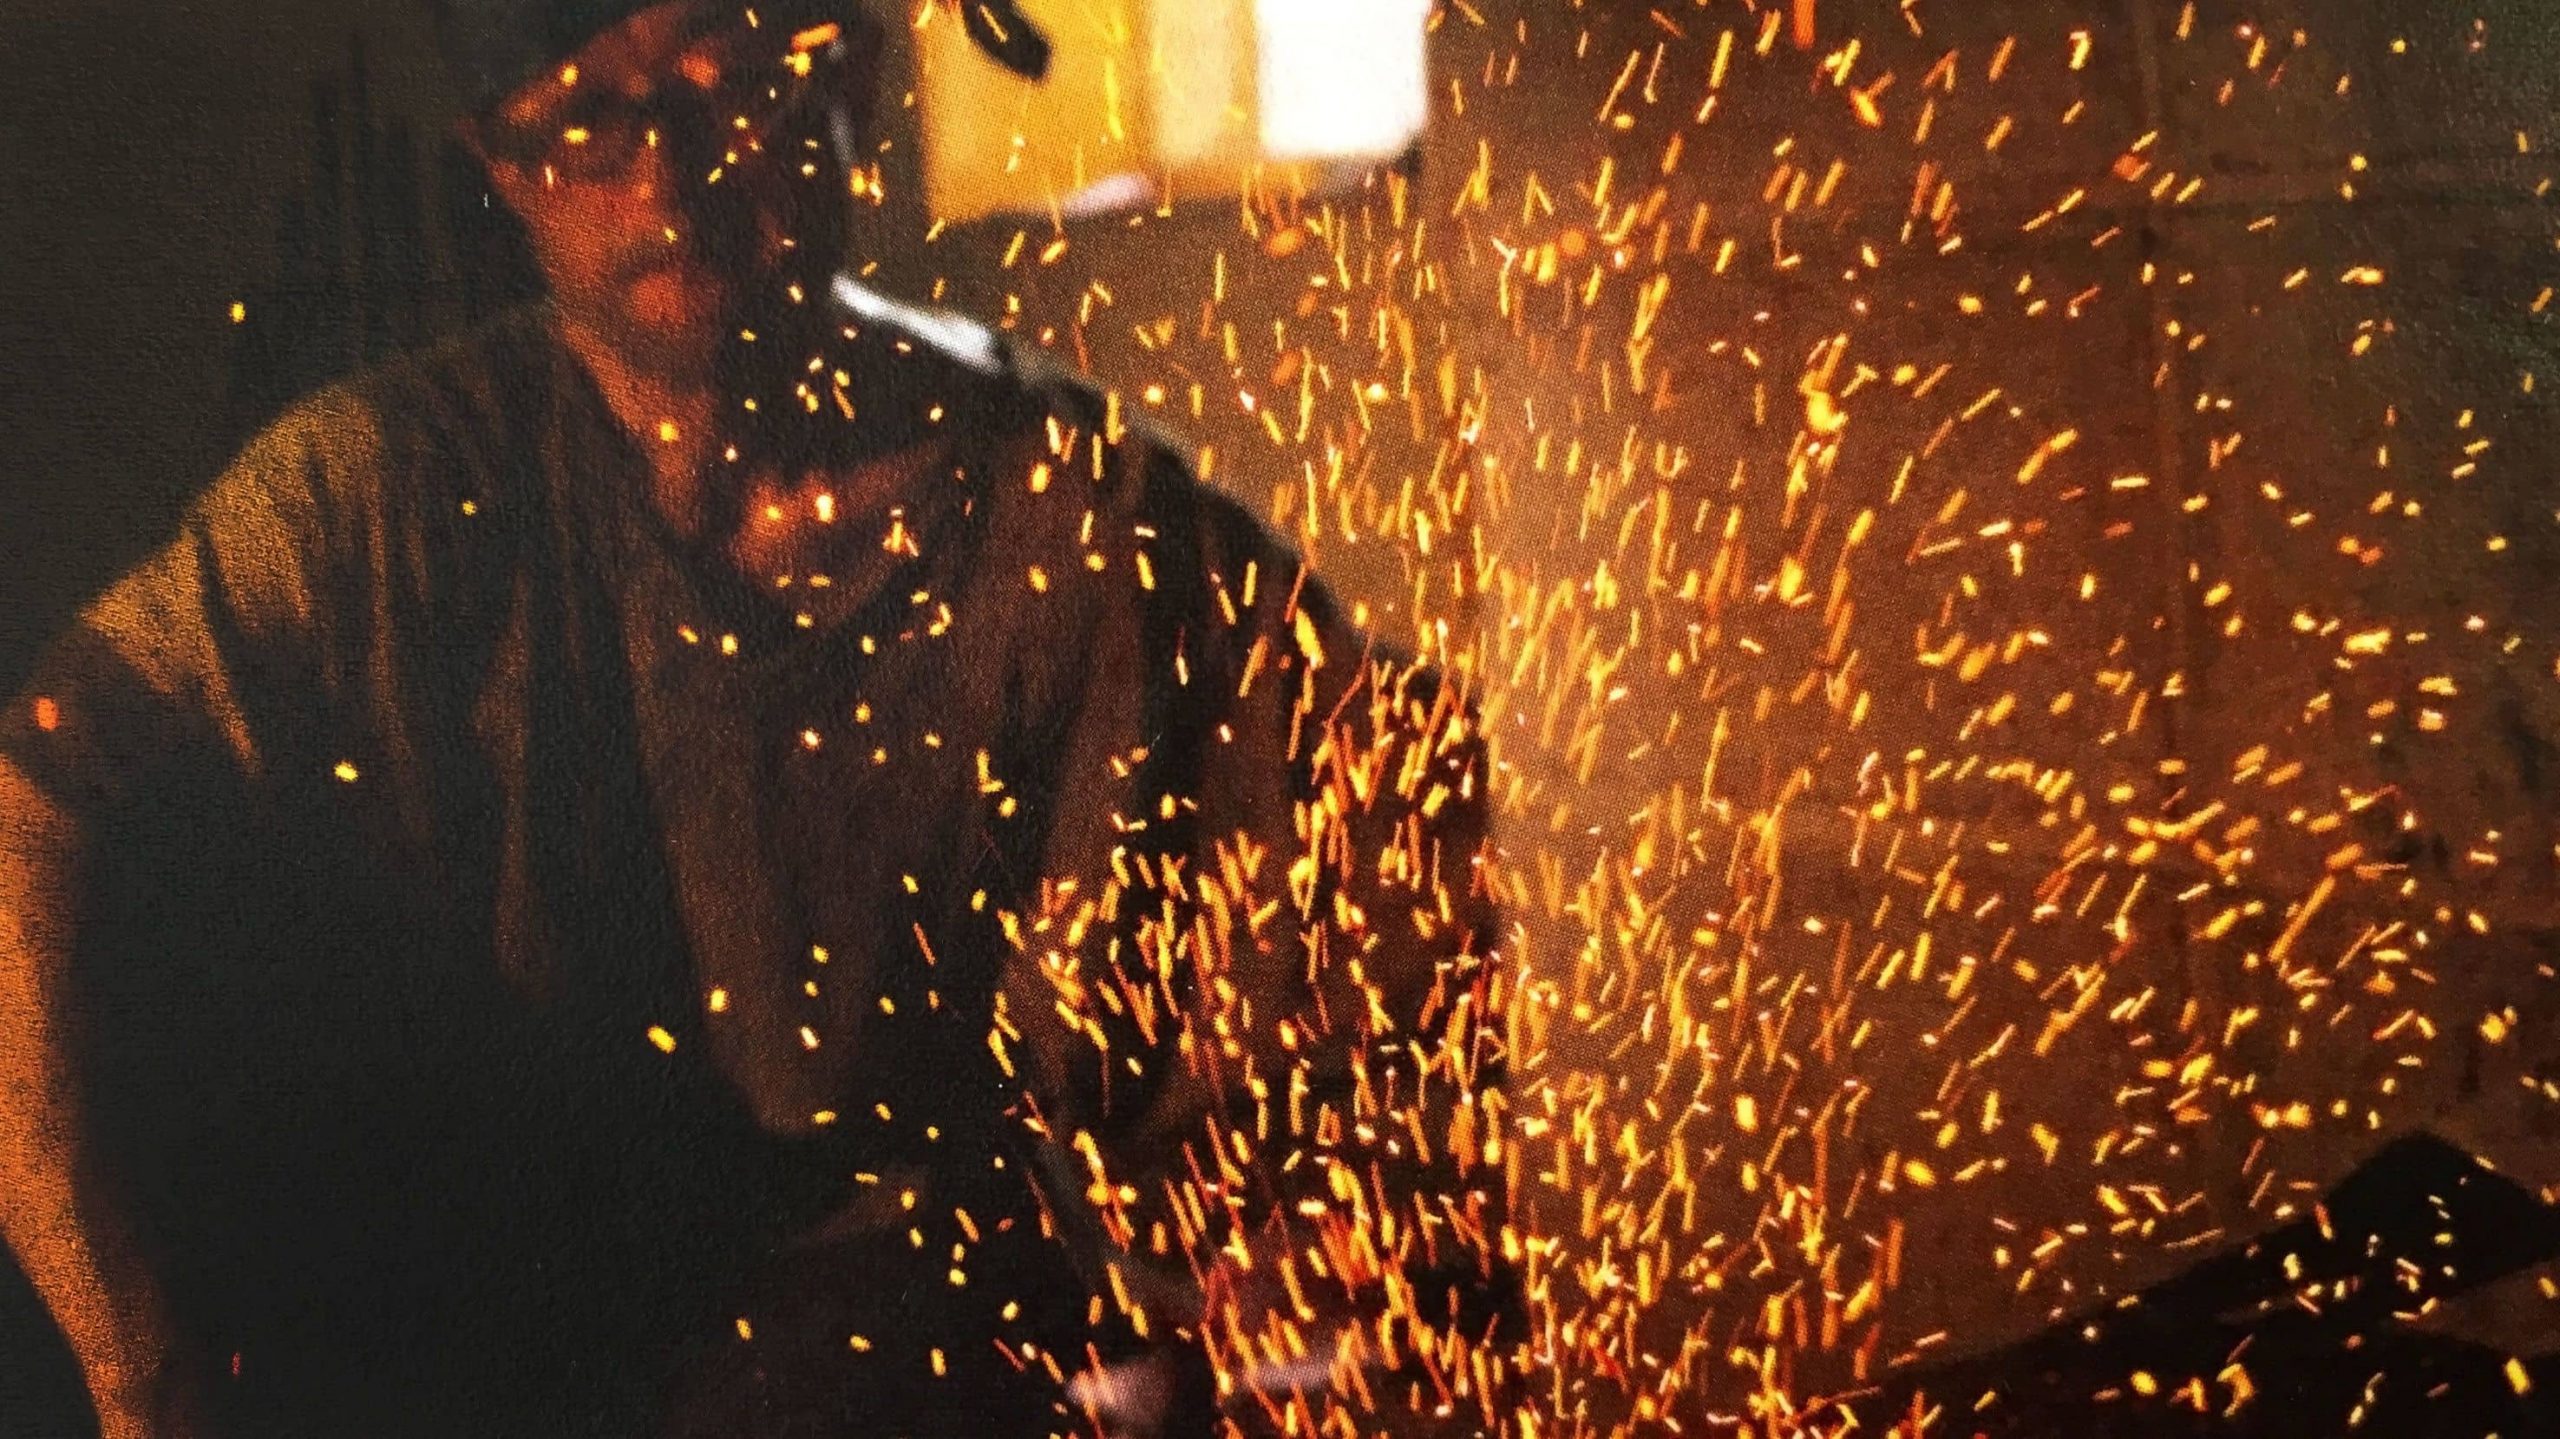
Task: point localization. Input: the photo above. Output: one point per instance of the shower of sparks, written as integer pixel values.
(1982, 792)
(1910, 867)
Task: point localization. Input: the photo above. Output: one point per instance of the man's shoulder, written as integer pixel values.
(1159, 465)
(500, 373)
(1159, 487)
(482, 373)
(447, 411)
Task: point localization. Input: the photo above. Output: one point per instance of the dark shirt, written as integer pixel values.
(538, 980)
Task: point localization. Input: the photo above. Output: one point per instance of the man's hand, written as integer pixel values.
(1130, 1400)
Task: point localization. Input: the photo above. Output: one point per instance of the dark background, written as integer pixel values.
(161, 161)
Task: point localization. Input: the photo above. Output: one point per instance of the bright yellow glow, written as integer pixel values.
(1191, 94)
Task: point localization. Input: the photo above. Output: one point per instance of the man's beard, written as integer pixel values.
(774, 236)
(773, 327)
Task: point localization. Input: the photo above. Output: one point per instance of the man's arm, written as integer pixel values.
(197, 661)
(1357, 978)
(56, 1212)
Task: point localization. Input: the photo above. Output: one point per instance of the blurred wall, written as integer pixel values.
(150, 149)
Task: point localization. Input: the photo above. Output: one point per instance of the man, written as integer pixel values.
(724, 857)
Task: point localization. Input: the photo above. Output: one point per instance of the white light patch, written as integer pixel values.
(1341, 79)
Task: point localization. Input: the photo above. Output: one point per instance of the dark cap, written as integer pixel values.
(494, 46)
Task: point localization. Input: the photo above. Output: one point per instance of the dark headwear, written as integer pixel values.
(495, 46)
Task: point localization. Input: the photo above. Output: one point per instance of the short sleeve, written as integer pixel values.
(208, 657)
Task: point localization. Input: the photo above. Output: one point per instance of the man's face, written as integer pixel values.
(675, 176)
